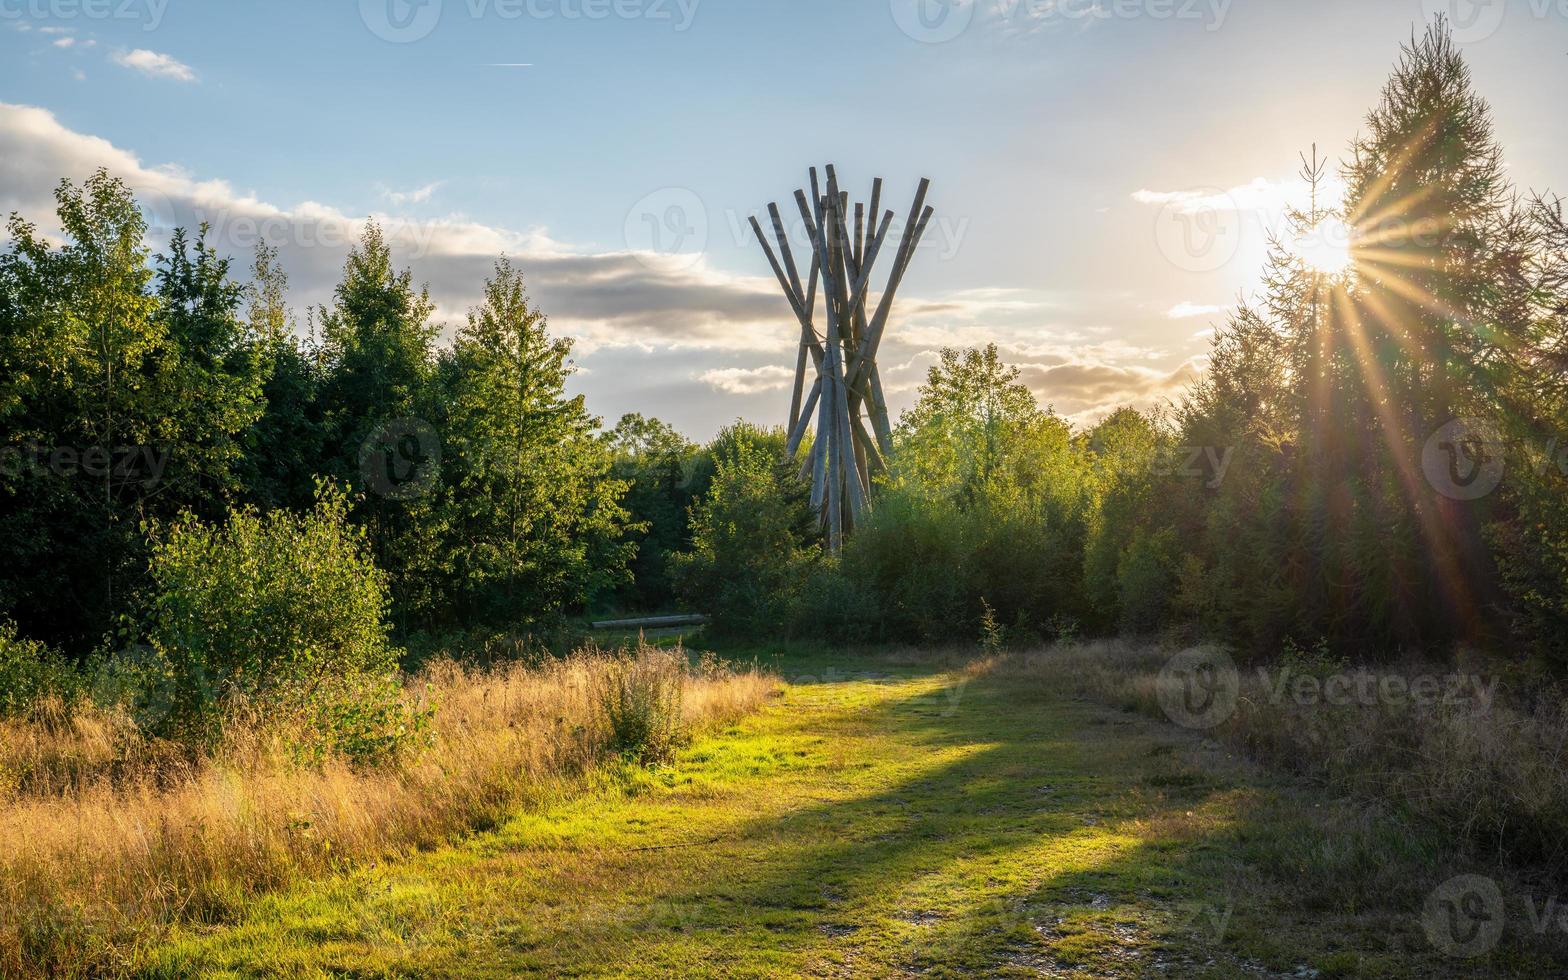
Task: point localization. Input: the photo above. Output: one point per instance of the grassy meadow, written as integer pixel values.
(107, 837)
(895, 814)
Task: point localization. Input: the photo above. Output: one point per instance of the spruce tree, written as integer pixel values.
(533, 519)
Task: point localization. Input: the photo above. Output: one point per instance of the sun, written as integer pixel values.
(1326, 247)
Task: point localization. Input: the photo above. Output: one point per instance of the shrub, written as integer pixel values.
(30, 671)
(910, 555)
(276, 608)
(837, 607)
(921, 566)
(1146, 580)
(641, 696)
(751, 547)
(361, 718)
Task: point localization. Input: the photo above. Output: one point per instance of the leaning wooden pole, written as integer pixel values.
(844, 403)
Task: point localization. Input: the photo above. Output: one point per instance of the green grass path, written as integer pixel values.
(912, 823)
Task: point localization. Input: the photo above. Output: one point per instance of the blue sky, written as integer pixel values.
(1074, 150)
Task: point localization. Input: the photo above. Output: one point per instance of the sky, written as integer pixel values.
(1104, 172)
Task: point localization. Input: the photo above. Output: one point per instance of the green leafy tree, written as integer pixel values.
(752, 544)
(659, 465)
(1425, 326)
(217, 372)
(123, 399)
(980, 508)
(976, 430)
(1123, 454)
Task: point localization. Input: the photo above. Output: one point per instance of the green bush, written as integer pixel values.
(921, 566)
(278, 607)
(29, 670)
(751, 548)
(836, 607)
(910, 554)
(361, 718)
(1146, 580)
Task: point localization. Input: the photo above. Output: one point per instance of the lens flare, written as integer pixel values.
(1326, 247)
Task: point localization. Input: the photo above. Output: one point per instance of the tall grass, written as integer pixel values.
(1489, 781)
(641, 698)
(106, 836)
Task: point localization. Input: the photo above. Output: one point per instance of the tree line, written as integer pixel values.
(1318, 484)
(1372, 459)
(138, 389)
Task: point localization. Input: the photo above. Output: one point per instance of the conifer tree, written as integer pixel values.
(533, 517)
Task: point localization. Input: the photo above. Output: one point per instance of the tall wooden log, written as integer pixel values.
(845, 403)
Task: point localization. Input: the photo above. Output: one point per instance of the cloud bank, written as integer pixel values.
(697, 344)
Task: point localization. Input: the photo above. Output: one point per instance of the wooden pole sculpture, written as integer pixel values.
(846, 390)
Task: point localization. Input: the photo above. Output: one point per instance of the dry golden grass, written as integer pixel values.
(106, 837)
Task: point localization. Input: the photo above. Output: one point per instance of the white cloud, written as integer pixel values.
(1085, 391)
(64, 42)
(155, 64)
(1184, 310)
(418, 195)
(655, 330)
(606, 299)
(1260, 195)
(749, 381)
